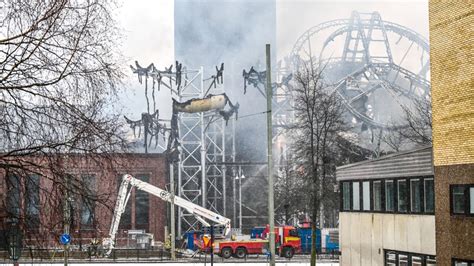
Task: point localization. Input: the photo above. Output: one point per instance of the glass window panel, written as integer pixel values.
(366, 195)
(391, 258)
(377, 196)
(430, 261)
(458, 199)
(429, 195)
(13, 196)
(416, 261)
(355, 196)
(142, 204)
(460, 263)
(346, 195)
(402, 195)
(415, 198)
(32, 201)
(402, 260)
(88, 204)
(389, 196)
(471, 199)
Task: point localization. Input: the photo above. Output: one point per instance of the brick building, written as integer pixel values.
(30, 199)
(452, 85)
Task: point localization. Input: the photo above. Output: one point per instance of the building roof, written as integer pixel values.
(417, 162)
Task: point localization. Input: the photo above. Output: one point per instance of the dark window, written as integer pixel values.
(415, 197)
(346, 196)
(389, 196)
(377, 187)
(88, 200)
(471, 200)
(293, 232)
(458, 199)
(142, 205)
(461, 262)
(462, 199)
(402, 195)
(401, 258)
(32, 201)
(355, 196)
(429, 195)
(13, 196)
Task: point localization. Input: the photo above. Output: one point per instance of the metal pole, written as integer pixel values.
(203, 148)
(269, 158)
(172, 226)
(240, 198)
(234, 216)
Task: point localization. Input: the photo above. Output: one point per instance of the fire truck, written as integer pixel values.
(286, 237)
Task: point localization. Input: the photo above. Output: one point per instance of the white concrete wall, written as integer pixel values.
(364, 236)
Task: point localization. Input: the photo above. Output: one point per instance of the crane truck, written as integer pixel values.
(287, 240)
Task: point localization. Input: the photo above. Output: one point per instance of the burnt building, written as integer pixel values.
(35, 201)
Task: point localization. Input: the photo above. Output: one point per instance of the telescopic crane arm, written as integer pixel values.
(128, 182)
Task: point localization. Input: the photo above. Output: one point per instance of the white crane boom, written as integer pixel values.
(129, 181)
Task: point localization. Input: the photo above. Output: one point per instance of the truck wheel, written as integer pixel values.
(226, 253)
(240, 253)
(288, 253)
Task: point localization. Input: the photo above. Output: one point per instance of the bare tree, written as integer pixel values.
(59, 79)
(418, 120)
(319, 120)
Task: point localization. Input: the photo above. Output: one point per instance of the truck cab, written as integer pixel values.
(287, 240)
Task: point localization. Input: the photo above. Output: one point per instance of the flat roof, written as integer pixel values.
(416, 162)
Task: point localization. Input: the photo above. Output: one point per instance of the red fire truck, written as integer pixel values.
(286, 238)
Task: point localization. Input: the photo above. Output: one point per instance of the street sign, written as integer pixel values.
(65, 239)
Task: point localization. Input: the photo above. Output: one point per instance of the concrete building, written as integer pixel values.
(35, 201)
(452, 86)
(387, 210)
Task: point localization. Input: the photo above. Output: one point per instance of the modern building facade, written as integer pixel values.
(452, 85)
(35, 202)
(387, 210)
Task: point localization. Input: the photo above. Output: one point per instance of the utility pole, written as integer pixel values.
(67, 222)
(271, 210)
(173, 234)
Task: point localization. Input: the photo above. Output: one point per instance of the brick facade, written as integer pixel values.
(107, 177)
(452, 86)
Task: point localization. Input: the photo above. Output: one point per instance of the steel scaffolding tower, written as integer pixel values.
(201, 179)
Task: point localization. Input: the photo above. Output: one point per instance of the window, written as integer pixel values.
(355, 196)
(471, 200)
(32, 201)
(377, 187)
(429, 195)
(13, 196)
(415, 196)
(460, 262)
(402, 195)
(462, 199)
(366, 195)
(346, 196)
(142, 205)
(400, 258)
(88, 200)
(389, 196)
(411, 195)
(458, 199)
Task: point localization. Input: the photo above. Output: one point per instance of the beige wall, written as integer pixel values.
(452, 84)
(364, 236)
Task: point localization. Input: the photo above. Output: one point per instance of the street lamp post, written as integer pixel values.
(239, 177)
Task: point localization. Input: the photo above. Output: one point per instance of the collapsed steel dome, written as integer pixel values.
(376, 67)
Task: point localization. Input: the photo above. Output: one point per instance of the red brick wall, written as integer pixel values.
(106, 173)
